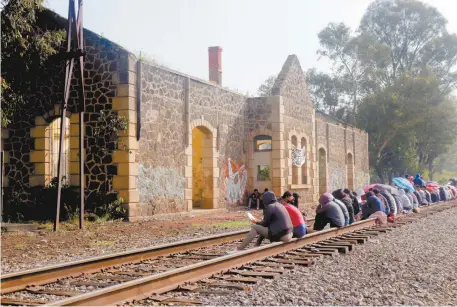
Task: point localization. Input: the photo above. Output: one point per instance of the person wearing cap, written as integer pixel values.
(298, 222)
(328, 212)
(276, 224)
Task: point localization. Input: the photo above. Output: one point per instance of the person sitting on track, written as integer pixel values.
(298, 222)
(374, 208)
(276, 224)
(328, 212)
(347, 201)
(254, 199)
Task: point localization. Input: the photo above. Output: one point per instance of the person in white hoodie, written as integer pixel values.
(407, 205)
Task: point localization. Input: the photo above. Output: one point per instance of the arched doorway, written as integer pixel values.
(202, 168)
(322, 171)
(350, 171)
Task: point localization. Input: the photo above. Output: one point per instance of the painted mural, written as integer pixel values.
(298, 156)
(235, 180)
(337, 179)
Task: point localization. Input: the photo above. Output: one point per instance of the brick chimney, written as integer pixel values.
(215, 64)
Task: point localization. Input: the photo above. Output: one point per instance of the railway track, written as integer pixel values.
(199, 266)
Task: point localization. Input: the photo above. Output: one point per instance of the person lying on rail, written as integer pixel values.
(276, 224)
(378, 194)
(355, 201)
(420, 196)
(390, 202)
(374, 208)
(347, 202)
(406, 203)
(435, 196)
(328, 212)
(298, 222)
(398, 201)
(428, 197)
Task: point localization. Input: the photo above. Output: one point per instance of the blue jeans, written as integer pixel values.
(299, 231)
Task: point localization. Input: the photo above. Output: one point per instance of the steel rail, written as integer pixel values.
(163, 282)
(20, 280)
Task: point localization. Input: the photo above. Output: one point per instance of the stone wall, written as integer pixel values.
(172, 104)
(153, 171)
(27, 147)
(224, 110)
(161, 154)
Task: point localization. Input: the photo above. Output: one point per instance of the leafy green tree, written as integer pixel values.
(324, 90)
(266, 87)
(25, 47)
(394, 77)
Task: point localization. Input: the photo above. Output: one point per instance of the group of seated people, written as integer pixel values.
(283, 220)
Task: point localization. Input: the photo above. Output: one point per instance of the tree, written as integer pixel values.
(395, 75)
(266, 87)
(25, 49)
(324, 90)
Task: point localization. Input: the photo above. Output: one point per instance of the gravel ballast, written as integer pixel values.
(412, 265)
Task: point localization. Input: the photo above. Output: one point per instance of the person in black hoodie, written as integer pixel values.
(355, 201)
(276, 224)
(347, 201)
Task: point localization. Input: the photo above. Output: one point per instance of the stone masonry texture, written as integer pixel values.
(170, 105)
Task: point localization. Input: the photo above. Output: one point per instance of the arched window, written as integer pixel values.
(54, 148)
(294, 167)
(304, 167)
(322, 160)
(262, 143)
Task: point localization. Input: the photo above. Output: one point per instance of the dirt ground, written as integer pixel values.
(26, 250)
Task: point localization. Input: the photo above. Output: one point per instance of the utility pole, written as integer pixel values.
(74, 25)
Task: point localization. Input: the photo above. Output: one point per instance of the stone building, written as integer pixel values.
(189, 143)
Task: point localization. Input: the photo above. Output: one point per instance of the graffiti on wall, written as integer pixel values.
(159, 182)
(235, 180)
(337, 179)
(362, 179)
(298, 156)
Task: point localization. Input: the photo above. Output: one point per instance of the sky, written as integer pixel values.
(256, 35)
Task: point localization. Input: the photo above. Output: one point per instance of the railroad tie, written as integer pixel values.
(292, 261)
(269, 275)
(131, 273)
(18, 302)
(113, 277)
(247, 280)
(340, 244)
(218, 284)
(265, 269)
(319, 251)
(274, 264)
(92, 283)
(36, 290)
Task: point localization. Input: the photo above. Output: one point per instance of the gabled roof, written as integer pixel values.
(291, 81)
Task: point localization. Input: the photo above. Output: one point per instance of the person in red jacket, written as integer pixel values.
(298, 222)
